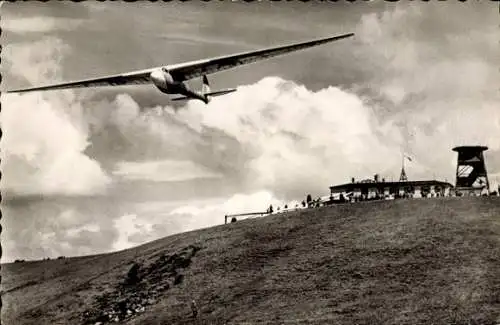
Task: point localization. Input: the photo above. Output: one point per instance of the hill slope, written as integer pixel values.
(389, 262)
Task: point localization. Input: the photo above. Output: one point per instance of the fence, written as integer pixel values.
(243, 214)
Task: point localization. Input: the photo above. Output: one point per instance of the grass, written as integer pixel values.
(433, 261)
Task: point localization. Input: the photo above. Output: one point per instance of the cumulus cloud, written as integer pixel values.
(205, 215)
(36, 62)
(43, 144)
(287, 138)
(290, 138)
(35, 229)
(431, 82)
(42, 151)
(162, 171)
(439, 88)
(131, 230)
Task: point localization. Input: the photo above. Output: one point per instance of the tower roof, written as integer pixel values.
(470, 148)
(352, 186)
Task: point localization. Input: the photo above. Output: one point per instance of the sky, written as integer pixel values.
(98, 170)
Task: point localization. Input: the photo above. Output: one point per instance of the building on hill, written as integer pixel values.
(374, 189)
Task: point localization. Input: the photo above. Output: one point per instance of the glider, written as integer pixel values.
(170, 79)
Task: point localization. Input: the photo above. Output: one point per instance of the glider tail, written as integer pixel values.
(206, 94)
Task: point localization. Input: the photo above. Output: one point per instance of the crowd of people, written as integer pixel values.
(309, 202)
(350, 198)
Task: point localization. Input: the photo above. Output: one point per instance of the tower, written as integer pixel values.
(471, 176)
(403, 177)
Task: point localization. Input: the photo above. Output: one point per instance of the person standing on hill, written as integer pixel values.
(194, 309)
(309, 200)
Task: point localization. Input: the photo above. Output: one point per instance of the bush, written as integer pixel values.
(133, 274)
(178, 279)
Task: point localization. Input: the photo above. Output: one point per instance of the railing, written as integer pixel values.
(244, 214)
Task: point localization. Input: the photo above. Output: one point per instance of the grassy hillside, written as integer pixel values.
(428, 261)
